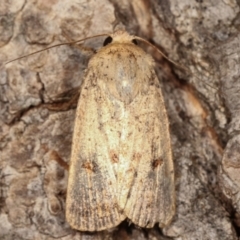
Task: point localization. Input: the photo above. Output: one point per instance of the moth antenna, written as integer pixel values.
(170, 60)
(56, 45)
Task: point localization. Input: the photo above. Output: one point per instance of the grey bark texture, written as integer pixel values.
(202, 101)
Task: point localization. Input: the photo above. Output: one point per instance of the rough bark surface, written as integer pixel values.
(202, 104)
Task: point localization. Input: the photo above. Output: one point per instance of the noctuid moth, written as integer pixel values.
(121, 162)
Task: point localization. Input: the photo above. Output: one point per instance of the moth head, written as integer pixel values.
(120, 36)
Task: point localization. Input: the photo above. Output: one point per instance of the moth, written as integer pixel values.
(121, 163)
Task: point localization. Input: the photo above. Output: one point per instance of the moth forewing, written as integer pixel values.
(121, 163)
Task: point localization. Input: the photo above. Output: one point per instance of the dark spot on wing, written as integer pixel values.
(90, 166)
(114, 156)
(137, 156)
(157, 162)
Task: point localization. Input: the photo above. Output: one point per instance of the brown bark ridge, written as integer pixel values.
(202, 104)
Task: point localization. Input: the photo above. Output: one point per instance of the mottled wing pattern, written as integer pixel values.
(121, 164)
(91, 198)
(151, 197)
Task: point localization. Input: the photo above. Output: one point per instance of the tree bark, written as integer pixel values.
(201, 94)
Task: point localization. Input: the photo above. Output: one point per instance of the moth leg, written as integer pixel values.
(54, 181)
(68, 101)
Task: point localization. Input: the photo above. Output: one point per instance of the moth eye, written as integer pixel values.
(135, 41)
(107, 41)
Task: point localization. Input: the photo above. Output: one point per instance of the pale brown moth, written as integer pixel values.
(121, 162)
